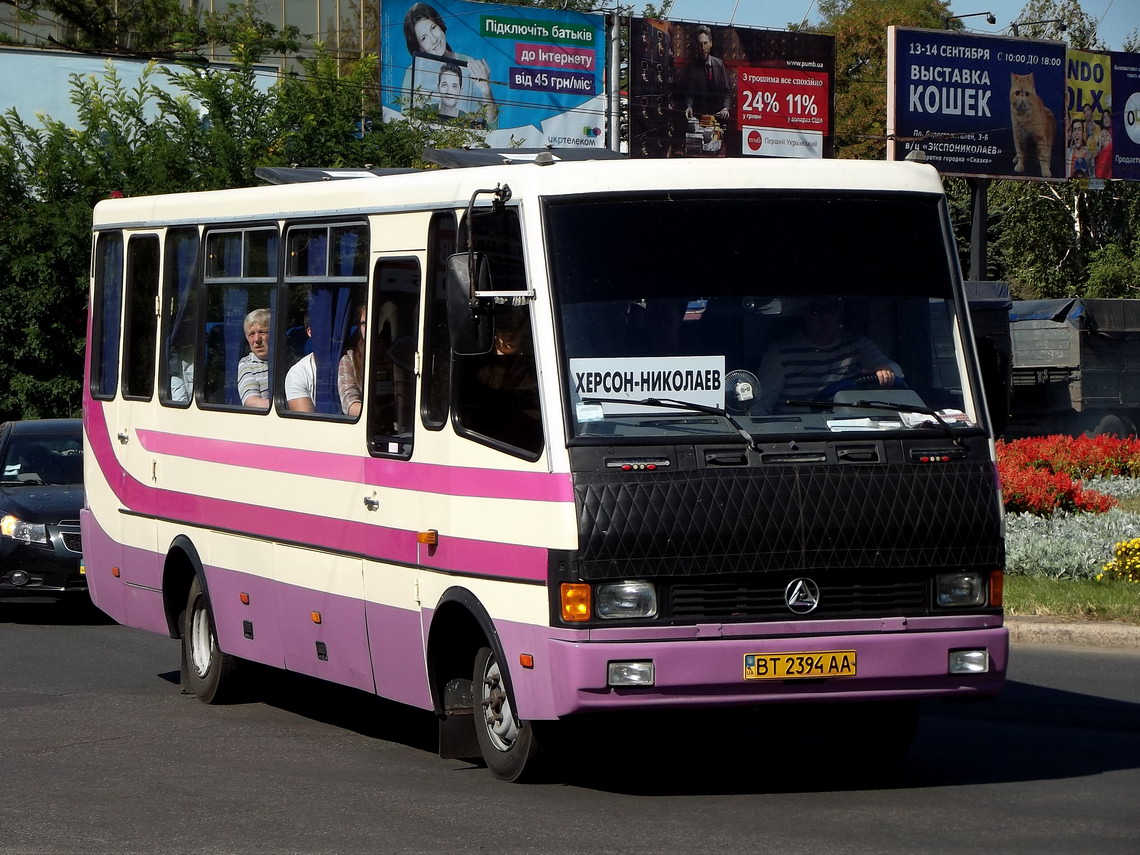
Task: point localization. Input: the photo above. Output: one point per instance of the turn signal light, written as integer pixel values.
(997, 586)
(116, 572)
(429, 537)
(575, 602)
(316, 616)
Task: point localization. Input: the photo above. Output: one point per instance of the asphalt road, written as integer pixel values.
(101, 753)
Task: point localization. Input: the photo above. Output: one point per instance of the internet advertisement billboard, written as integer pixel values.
(706, 91)
(977, 105)
(528, 77)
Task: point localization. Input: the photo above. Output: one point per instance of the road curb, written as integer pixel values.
(1082, 633)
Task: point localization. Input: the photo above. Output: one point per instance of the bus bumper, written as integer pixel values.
(712, 671)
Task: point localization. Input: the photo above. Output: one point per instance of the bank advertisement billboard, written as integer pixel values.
(1010, 108)
(708, 91)
(526, 76)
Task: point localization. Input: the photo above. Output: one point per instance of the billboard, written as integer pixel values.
(529, 77)
(998, 107)
(705, 91)
(1120, 126)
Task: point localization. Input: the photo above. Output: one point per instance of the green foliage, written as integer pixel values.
(1063, 20)
(860, 30)
(1060, 239)
(1065, 545)
(209, 128)
(164, 28)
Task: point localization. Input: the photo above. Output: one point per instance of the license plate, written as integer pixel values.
(798, 666)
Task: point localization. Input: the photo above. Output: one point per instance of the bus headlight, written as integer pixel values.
(17, 529)
(625, 600)
(625, 674)
(960, 589)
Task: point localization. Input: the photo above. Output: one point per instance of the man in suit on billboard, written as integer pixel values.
(708, 91)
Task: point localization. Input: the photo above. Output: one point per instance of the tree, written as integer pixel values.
(1060, 20)
(158, 28)
(860, 30)
(209, 128)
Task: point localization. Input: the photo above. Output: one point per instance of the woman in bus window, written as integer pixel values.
(350, 371)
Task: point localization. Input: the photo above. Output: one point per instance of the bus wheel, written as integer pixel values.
(1114, 424)
(507, 744)
(209, 673)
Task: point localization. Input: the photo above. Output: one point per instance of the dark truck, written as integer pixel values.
(1076, 367)
(989, 316)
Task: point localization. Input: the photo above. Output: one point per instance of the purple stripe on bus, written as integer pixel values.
(397, 474)
(458, 555)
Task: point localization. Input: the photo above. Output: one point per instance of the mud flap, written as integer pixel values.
(457, 739)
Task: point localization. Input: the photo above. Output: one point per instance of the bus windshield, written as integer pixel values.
(805, 313)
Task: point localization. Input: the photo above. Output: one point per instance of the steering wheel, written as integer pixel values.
(858, 381)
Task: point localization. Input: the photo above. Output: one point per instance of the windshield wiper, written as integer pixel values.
(674, 404)
(884, 405)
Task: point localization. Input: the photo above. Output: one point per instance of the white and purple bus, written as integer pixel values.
(541, 438)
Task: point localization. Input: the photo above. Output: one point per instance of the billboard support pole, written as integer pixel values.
(978, 227)
(613, 84)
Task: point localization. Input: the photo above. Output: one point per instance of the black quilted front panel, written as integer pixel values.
(795, 518)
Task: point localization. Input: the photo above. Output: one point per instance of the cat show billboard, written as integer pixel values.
(996, 107)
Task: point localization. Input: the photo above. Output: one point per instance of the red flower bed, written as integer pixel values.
(1039, 475)
(1079, 457)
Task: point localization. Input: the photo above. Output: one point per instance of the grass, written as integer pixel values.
(1072, 598)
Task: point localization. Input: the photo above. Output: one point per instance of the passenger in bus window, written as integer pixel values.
(181, 380)
(301, 380)
(350, 371)
(253, 369)
(821, 353)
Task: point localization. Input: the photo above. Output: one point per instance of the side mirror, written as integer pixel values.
(470, 319)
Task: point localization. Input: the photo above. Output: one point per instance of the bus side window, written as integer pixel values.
(179, 317)
(107, 304)
(326, 279)
(139, 337)
(495, 396)
(437, 346)
(240, 275)
(394, 332)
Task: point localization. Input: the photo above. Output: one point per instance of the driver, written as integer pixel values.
(821, 353)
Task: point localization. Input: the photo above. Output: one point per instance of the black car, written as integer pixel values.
(41, 493)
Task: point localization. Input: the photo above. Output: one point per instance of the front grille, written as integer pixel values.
(72, 541)
(763, 599)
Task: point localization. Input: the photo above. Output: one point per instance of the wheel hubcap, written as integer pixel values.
(201, 640)
(500, 719)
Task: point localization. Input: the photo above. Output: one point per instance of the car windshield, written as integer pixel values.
(786, 312)
(44, 458)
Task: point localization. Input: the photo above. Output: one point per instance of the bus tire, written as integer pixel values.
(210, 674)
(508, 744)
(1113, 423)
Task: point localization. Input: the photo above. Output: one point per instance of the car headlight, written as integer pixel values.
(17, 529)
(625, 600)
(960, 589)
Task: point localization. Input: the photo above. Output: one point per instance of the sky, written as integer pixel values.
(1117, 17)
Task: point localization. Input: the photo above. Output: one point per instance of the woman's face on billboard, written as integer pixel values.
(430, 37)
